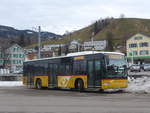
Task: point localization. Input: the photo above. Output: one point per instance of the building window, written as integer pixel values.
(1, 55)
(14, 61)
(14, 49)
(1, 61)
(144, 52)
(15, 55)
(20, 61)
(18, 48)
(132, 45)
(135, 53)
(138, 38)
(21, 55)
(143, 44)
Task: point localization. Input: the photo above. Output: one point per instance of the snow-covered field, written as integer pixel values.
(11, 83)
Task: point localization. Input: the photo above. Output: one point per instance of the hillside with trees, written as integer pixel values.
(115, 31)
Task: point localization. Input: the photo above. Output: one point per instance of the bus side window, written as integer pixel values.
(79, 67)
(98, 69)
(83, 67)
(62, 69)
(97, 65)
(45, 68)
(105, 63)
(56, 67)
(67, 69)
(75, 67)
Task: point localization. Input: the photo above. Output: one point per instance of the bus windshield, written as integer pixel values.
(117, 67)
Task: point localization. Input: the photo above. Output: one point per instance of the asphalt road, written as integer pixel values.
(23, 100)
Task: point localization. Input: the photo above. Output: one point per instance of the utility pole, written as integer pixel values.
(39, 42)
(78, 47)
(92, 41)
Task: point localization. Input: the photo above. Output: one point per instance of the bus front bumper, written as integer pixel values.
(114, 83)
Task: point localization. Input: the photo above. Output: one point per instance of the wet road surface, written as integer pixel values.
(24, 100)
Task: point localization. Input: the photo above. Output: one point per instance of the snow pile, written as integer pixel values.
(11, 83)
(139, 85)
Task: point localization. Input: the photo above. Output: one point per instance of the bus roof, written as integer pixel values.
(92, 52)
(78, 54)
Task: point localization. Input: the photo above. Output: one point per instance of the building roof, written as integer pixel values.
(144, 34)
(14, 45)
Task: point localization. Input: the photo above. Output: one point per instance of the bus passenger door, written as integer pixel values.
(53, 69)
(90, 70)
(94, 73)
(97, 72)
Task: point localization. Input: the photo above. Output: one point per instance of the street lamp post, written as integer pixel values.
(92, 38)
(78, 47)
(39, 42)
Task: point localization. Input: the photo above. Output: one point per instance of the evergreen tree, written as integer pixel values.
(95, 30)
(101, 24)
(22, 40)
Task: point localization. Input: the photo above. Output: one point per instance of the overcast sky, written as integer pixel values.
(59, 16)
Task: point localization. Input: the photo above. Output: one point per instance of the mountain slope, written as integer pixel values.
(10, 35)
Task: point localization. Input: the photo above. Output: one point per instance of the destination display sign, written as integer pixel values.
(115, 56)
(79, 58)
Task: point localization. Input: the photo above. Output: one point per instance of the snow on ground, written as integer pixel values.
(139, 85)
(11, 83)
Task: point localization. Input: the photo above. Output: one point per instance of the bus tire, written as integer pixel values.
(79, 85)
(38, 84)
(101, 90)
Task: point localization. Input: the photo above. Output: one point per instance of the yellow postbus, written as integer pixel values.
(82, 70)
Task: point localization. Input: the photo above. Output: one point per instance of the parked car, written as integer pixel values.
(146, 67)
(142, 66)
(135, 67)
(18, 71)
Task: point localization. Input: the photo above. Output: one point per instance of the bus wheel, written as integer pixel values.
(39, 84)
(79, 85)
(101, 90)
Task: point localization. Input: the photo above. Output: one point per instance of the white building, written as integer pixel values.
(97, 45)
(50, 47)
(14, 58)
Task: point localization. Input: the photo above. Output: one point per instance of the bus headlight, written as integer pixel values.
(107, 84)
